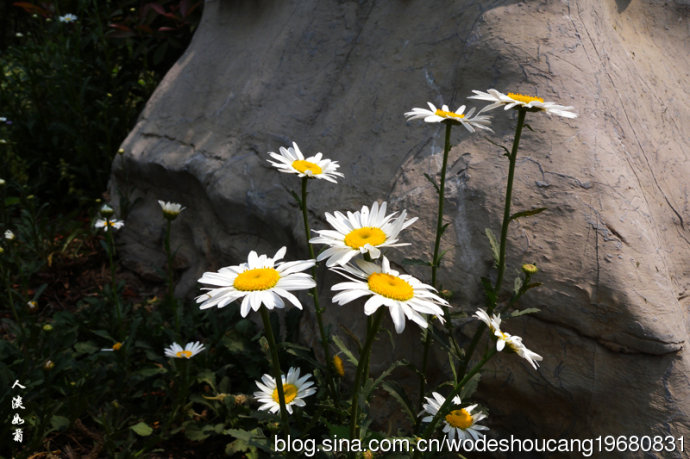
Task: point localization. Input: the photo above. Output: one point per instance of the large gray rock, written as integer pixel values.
(337, 76)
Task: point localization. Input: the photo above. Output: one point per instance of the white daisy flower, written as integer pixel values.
(105, 224)
(292, 161)
(295, 389)
(106, 210)
(67, 18)
(438, 115)
(178, 352)
(460, 422)
(404, 295)
(360, 232)
(511, 100)
(258, 281)
(503, 338)
(9, 235)
(170, 209)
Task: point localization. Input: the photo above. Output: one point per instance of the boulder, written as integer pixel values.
(613, 248)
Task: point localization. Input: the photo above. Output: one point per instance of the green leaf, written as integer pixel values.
(85, 347)
(443, 229)
(527, 213)
(142, 429)
(59, 422)
(11, 201)
(495, 249)
(398, 393)
(297, 198)
(208, 377)
(415, 261)
(528, 126)
(507, 152)
(433, 182)
(368, 390)
(343, 348)
(488, 289)
(517, 285)
(533, 285)
(470, 387)
(523, 312)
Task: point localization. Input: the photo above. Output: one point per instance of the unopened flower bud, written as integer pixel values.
(529, 269)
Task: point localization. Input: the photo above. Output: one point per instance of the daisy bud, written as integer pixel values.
(529, 269)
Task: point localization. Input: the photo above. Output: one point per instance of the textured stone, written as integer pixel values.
(613, 247)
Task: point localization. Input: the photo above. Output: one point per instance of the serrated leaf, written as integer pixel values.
(495, 249)
(297, 198)
(507, 152)
(433, 182)
(398, 393)
(368, 390)
(470, 387)
(416, 261)
(528, 126)
(533, 285)
(517, 285)
(527, 213)
(343, 348)
(443, 229)
(142, 429)
(523, 312)
(59, 422)
(488, 289)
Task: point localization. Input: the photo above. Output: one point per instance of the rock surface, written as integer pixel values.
(336, 76)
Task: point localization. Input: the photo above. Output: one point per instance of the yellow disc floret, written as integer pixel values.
(307, 167)
(185, 354)
(289, 391)
(362, 236)
(256, 279)
(460, 419)
(390, 286)
(445, 114)
(523, 98)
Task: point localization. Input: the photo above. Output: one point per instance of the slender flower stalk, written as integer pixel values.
(363, 372)
(277, 374)
(512, 158)
(315, 293)
(172, 301)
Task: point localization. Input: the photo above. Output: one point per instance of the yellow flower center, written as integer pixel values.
(390, 286)
(362, 236)
(338, 364)
(111, 223)
(459, 419)
(445, 114)
(289, 391)
(256, 279)
(304, 166)
(185, 354)
(523, 98)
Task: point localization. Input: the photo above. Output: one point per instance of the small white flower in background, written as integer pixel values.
(32, 305)
(362, 232)
(460, 422)
(258, 281)
(295, 389)
(2, 119)
(2, 182)
(106, 210)
(402, 294)
(503, 338)
(171, 209)
(105, 224)
(9, 235)
(512, 100)
(190, 350)
(67, 18)
(438, 115)
(292, 161)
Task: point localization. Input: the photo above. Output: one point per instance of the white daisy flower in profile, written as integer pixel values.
(513, 100)
(503, 339)
(295, 389)
(67, 18)
(292, 161)
(170, 209)
(9, 235)
(104, 224)
(402, 294)
(258, 281)
(459, 422)
(178, 352)
(439, 115)
(362, 232)
(106, 210)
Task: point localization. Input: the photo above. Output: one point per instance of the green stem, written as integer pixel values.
(277, 374)
(113, 284)
(504, 235)
(363, 372)
(449, 399)
(172, 301)
(8, 286)
(315, 292)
